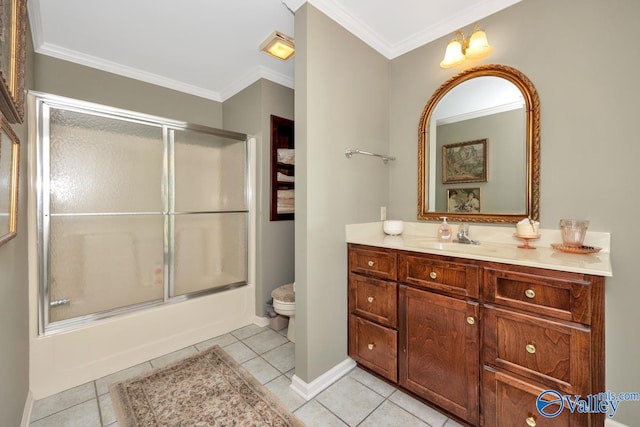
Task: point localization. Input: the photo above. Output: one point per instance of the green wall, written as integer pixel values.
(341, 100)
(575, 53)
(65, 78)
(14, 297)
(249, 111)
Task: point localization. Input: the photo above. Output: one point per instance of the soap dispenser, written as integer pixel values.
(444, 231)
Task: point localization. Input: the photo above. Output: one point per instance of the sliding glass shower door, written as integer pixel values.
(133, 210)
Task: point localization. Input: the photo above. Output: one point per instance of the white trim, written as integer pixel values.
(260, 321)
(309, 390)
(479, 10)
(259, 72)
(26, 413)
(123, 70)
(480, 113)
(608, 422)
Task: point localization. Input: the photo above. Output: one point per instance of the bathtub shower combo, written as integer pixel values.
(133, 211)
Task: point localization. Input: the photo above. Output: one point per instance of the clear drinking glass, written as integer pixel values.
(573, 231)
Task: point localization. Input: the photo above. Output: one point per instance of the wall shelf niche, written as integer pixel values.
(282, 169)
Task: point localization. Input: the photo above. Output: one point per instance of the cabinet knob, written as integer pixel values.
(370, 299)
(371, 263)
(529, 293)
(471, 320)
(433, 274)
(531, 422)
(530, 348)
(370, 346)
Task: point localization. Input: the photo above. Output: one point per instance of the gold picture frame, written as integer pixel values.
(13, 29)
(464, 162)
(9, 178)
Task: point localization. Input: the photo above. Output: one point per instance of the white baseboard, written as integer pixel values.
(309, 390)
(28, 407)
(608, 422)
(260, 321)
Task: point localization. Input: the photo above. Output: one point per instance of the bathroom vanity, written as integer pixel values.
(479, 331)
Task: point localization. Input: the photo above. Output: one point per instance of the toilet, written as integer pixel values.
(284, 303)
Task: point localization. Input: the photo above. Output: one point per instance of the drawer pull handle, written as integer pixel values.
(530, 348)
(471, 320)
(433, 274)
(370, 346)
(371, 263)
(531, 422)
(370, 299)
(529, 293)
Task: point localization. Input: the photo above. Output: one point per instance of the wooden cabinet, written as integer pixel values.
(439, 359)
(543, 330)
(373, 310)
(481, 340)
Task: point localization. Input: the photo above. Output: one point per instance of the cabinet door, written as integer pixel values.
(439, 350)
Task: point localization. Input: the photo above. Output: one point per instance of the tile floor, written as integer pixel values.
(357, 399)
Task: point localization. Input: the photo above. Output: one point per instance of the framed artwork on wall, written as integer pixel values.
(13, 28)
(9, 164)
(282, 169)
(463, 200)
(464, 162)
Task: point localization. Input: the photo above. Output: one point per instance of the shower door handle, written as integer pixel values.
(59, 302)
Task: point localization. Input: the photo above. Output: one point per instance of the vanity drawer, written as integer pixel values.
(561, 295)
(374, 299)
(374, 347)
(439, 273)
(539, 349)
(372, 262)
(508, 401)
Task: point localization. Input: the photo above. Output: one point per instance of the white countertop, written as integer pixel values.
(497, 244)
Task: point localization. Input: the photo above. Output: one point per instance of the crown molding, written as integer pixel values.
(119, 69)
(480, 113)
(259, 72)
(390, 50)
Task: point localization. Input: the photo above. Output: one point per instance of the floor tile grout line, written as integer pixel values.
(332, 413)
(95, 390)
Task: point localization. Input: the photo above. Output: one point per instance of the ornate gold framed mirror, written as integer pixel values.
(9, 163)
(479, 148)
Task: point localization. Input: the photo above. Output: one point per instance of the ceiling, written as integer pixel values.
(209, 48)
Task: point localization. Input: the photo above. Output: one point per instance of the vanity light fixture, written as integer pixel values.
(461, 48)
(279, 46)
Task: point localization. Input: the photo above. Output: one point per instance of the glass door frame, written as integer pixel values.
(40, 105)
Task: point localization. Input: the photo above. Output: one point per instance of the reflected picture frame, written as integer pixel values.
(459, 200)
(9, 179)
(464, 162)
(13, 28)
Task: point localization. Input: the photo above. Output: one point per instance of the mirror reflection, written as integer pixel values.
(479, 148)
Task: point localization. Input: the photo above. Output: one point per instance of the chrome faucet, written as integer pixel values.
(463, 236)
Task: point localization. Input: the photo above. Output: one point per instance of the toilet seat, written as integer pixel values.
(284, 303)
(284, 294)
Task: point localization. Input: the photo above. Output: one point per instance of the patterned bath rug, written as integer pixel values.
(207, 389)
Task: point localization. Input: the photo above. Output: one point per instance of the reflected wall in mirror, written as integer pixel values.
(9, 163)
(495, 104)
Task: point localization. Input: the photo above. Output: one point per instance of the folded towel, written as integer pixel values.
(284, 178)
(286, 156)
